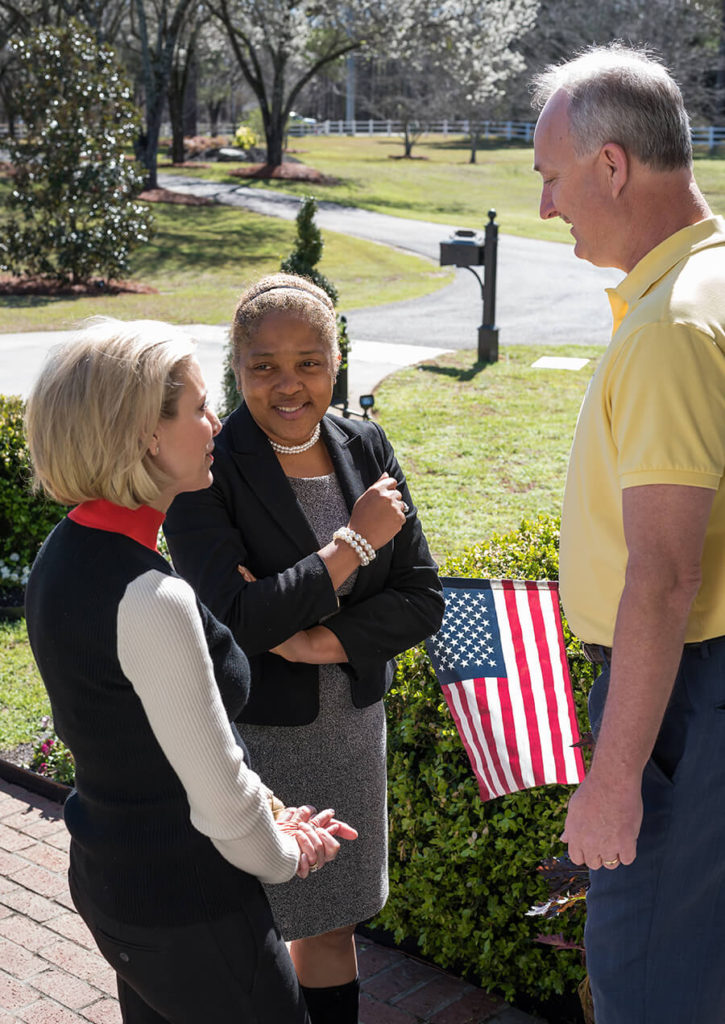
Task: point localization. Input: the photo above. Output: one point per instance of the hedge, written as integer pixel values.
(463, 874)
(26, 517)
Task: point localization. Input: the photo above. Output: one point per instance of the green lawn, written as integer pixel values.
(202, 257)
(441, 185)
(23, 700)
(481, 447)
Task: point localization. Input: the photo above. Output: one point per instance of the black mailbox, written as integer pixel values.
(463, 249)
(469, 249)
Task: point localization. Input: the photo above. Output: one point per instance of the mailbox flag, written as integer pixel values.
(500, 659)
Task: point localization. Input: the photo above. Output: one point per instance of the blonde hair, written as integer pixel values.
(94, 408)
(289, 294)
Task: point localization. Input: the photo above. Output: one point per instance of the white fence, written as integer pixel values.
(707, 135)
(702, 135)
(489, 129)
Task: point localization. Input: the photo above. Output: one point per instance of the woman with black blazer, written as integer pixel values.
(308, 547)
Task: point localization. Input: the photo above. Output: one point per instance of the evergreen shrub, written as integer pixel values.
(72, 215)
(463, 873)
(26, 517)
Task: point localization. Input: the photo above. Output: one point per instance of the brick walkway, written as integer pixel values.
(51, 973)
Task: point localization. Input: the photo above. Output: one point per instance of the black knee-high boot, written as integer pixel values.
(337, 1004)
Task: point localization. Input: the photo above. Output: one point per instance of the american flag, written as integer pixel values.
(500, 659)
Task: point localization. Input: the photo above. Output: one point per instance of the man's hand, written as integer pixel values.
(664, 528)
(603, 823)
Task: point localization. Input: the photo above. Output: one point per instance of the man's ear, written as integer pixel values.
(616, 166)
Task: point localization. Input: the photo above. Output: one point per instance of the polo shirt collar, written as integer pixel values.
(660, 260)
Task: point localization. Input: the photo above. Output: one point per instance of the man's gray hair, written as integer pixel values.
(618, 94)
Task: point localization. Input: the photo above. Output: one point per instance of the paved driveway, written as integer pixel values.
(545, 294)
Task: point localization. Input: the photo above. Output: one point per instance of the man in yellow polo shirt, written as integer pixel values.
(643, 538)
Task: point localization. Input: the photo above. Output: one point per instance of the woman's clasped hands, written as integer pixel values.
(315, 834)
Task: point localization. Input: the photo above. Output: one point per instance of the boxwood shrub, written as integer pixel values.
(26, 517)
(463, 873)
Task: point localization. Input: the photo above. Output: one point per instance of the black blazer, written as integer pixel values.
(251, 516)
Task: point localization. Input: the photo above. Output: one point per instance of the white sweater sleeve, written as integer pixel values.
(163, 653)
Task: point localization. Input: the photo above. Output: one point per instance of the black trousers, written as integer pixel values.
(229, 970)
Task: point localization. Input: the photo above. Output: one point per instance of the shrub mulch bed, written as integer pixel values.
(165, 195)
(10, 285)
(287, 171)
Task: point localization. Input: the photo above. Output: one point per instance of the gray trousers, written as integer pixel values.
(655, 933)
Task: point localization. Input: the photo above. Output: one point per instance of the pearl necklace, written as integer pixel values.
(296, 449)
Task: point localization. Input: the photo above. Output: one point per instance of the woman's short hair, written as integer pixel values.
(289, 294)
(94, 408)
(623, 95)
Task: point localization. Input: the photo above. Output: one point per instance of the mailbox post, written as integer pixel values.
(469, 249)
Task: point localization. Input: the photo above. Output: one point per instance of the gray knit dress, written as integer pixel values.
(336, 761)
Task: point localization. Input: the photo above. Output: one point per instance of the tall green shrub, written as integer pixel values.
(72, 211)
(26, 517)
(463, 873)
(308, 248)
(302, 261)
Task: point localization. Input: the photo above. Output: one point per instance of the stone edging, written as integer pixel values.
(39, 784)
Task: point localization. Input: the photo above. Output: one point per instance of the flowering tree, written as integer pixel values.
(456, 55)
(281, 45)
(480, 57)
(72, 210)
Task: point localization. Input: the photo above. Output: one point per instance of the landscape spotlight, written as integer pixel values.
(366, 404)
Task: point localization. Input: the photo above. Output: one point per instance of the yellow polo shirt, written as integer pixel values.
(654, 413)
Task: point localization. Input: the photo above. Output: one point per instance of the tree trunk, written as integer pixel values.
(408, 141)
(214, 109)
(474, 145)
(190, 100)
(274, 131)
(176, 116)
(151, 149)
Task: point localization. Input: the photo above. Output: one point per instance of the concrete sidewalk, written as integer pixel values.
(52, 973)
(22, 355)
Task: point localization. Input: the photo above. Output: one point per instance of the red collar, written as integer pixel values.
(140, 524)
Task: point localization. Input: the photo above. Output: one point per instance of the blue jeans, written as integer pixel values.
(655, 933)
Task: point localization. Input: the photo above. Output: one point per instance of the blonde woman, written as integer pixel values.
(309, 548)
(171, 831)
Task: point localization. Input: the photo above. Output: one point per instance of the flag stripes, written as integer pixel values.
(501, 661)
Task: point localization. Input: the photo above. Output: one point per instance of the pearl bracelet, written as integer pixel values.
(362, 548)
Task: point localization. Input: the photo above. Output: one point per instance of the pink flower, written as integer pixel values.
(45, 748)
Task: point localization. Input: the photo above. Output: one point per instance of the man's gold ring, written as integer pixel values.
(314, 867)
(610, 863)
